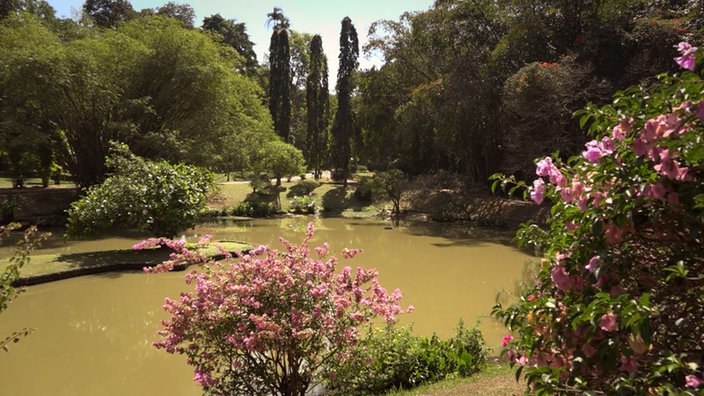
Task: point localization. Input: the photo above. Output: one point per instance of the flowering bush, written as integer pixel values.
(618, 299)
(271, 321)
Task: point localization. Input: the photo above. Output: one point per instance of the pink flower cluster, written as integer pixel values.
(271, 304)
(686, 60)
(180, 255)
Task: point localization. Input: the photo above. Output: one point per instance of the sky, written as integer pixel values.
(306, 16)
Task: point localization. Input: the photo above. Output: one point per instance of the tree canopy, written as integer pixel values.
(150, 83)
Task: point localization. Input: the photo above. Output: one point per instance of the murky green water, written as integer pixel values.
(93, 334)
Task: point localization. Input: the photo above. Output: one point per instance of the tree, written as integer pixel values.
(108, 13)
(318, 108)
(280, 74)
(616, 301)
(390, 185)
(344, 127)
(538, 103)
(157, 197)
(272, 321)
(181, 12)
(39, 8)
(280, 159)
(150, 83)
(235, 35)
(299, 44)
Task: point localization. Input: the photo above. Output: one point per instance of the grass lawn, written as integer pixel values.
(327, 195)
(64, 265)
(497, 379)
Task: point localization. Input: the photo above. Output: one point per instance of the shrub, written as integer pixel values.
(363, 192)
(302, 205)
(302, 188)
(393, 358)
(272, 321)
(618, 298)
(157, 197)
(252, 209)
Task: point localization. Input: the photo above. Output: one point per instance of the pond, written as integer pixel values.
(93, 334)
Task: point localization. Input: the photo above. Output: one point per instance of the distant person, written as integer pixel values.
(19, 182)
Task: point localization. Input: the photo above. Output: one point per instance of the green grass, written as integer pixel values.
(327, 195)
(48, 264)
(496, 379)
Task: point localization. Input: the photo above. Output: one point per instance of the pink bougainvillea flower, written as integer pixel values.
(538, 190)
(622, 129)
(687, 59)
(592, 153)
(655, 190)
(699, 110)
(506, 340)
(596, 150)
(628, 364)
(613, 234)
(544, 167)
(640, 147)
(560, 278)
(608, 322)
(692, 381)
(593, 264)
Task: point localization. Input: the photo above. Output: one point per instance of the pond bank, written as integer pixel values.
(44, 268)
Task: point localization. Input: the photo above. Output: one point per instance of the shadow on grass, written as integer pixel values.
(116, 258)
(337, 200)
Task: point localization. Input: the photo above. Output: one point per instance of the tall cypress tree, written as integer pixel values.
(280, 74)
(343, 126)
(318, 107)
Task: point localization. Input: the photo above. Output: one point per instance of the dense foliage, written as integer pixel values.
(393, 358)
(150, 83)
(272, 321)
(463, 87)
(390, 185)
(318, 108)
(344, 125)
(618, 298)
(280, 74)
(157, 197)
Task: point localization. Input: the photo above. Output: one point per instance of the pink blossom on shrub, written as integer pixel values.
(506, 340)
(692, 381)
(608, 322)
(687, 59)
(538, 190)
(593, 264)
(613, 234)
(598, 149)
(628, 364)
(622, 129)
(655, 190)
(560, 278)
(546, 167)
(699, 110)
(272, 317)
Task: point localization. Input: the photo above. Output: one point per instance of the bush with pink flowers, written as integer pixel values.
(618, 299)
(271, 322)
